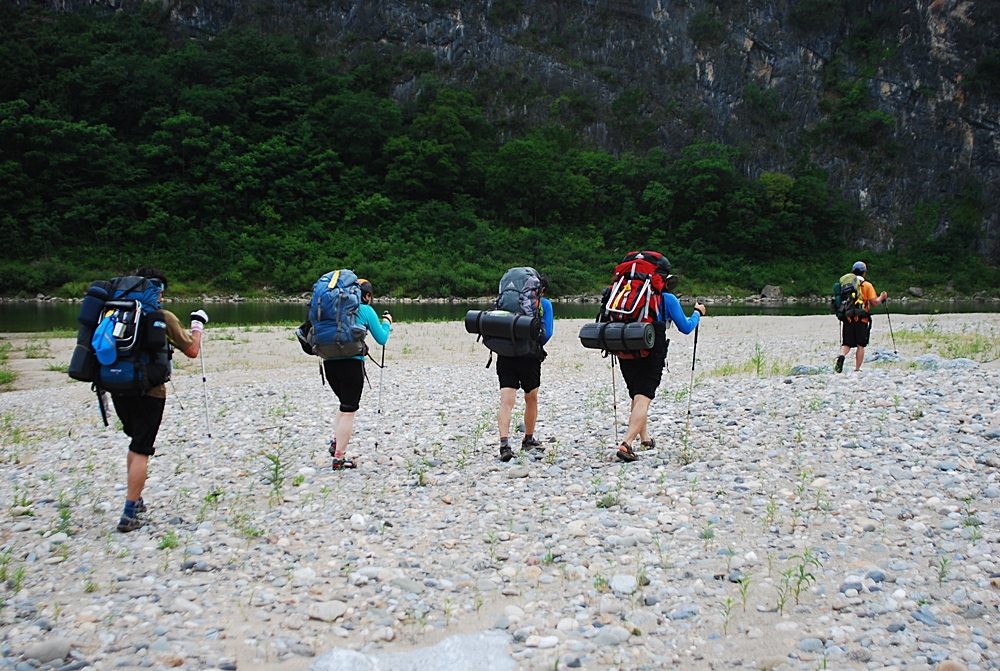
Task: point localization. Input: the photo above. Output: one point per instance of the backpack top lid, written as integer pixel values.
(520, 291)
(133, 288)
(660, 263)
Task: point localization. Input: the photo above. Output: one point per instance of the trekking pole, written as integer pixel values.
(614, 397)
(694, 354)
(208, 429)
(894, 351)
(378, 414)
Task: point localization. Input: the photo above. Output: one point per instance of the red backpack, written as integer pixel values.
(636, 293)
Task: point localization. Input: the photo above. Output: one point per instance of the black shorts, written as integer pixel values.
(140, 416)
(856, 334)
(522, 372)
(642, 376)
(347, 379)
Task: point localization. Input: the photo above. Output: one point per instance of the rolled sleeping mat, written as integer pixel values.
(83, 366)
(93, 302)
(618, 336)
(503, 324)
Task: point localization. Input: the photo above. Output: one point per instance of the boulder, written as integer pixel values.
(772, 293)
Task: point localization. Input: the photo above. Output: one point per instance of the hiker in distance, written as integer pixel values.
(527, 287)
(139, 369)
(626, 301)
(858, 297)
(340, 317)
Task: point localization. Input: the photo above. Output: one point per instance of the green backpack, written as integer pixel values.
(848, 301)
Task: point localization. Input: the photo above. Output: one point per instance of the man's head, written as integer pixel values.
(860, 268)
(366, 290)
(154, 275)
(544, 280)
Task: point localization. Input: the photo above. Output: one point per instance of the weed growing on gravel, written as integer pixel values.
(18, 579)
(7, 374)
(727, 614)
(707, 533)
(5, 563)
(942, 569)
(90, 586)
(661, 550)
(65, 520)
(784, 590)
(169, 541)
(276, 460)
(687, 453)
(744, 585)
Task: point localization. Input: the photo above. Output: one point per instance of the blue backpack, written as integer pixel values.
(333, 315)
(130, 340)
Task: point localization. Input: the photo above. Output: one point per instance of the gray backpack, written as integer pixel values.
(520, 294)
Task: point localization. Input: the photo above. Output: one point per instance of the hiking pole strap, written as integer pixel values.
(694, 350)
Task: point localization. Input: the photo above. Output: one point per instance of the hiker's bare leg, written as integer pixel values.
(507, 398)
(136, 464)
(530, 411)
(859, 358)
(845, 350)
(643, 430)
(343, 427)
(637, 418)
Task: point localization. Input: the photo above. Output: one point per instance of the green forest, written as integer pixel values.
(251, 163)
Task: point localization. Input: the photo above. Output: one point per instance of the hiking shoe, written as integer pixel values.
(140, 506)
(626, 453)
(649, 444)
(343, 463)
(333, 448)
(839, 366)
(506, 454)
(531, 443)
(127, 524)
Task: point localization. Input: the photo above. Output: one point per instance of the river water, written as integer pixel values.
(45, 316)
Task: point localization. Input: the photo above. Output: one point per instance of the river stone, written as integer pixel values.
(606, 638)
(483, 651)
(810, 645)
(408, 585)
(517, 472)
(623, 584)
(49, 649)
(326, 611)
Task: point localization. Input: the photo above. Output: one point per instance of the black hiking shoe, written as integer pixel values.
(140, 506)
(648, 444)
(531, 444)
(506, 454)
(839, 366)
(127, 524)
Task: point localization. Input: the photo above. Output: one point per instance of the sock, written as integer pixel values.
(129, 511)
(503, 440)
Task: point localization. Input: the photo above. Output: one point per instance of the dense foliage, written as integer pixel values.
(249, 161)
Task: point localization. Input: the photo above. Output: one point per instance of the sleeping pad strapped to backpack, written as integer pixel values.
(332, 330)
(520, 294)
(636, 296)
(130, 338)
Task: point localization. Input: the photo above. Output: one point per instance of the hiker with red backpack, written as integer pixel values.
(640, 293)
(340, 316)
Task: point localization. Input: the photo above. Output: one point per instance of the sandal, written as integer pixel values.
(626, 453)
(342, 463)
(649, 444)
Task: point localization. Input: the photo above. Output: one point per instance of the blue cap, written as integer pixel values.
(860, 267)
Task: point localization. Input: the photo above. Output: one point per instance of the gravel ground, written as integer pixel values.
(798, 521)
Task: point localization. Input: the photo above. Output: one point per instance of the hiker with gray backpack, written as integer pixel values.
(516, 330)
(340, 316)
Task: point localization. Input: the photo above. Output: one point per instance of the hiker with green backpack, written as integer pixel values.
(854, 296)
(340, 316)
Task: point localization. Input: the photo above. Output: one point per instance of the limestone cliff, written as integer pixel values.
(876, 94)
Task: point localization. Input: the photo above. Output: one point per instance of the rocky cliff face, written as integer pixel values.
(873, 93)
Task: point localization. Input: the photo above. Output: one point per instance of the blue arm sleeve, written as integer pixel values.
(548, 320)
(676, 314)
(375, 326)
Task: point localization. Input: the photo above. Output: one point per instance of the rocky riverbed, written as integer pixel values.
(793, 521)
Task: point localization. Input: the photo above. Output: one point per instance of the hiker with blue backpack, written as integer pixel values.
(124, 348)
(340, 316)
(854, 296)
